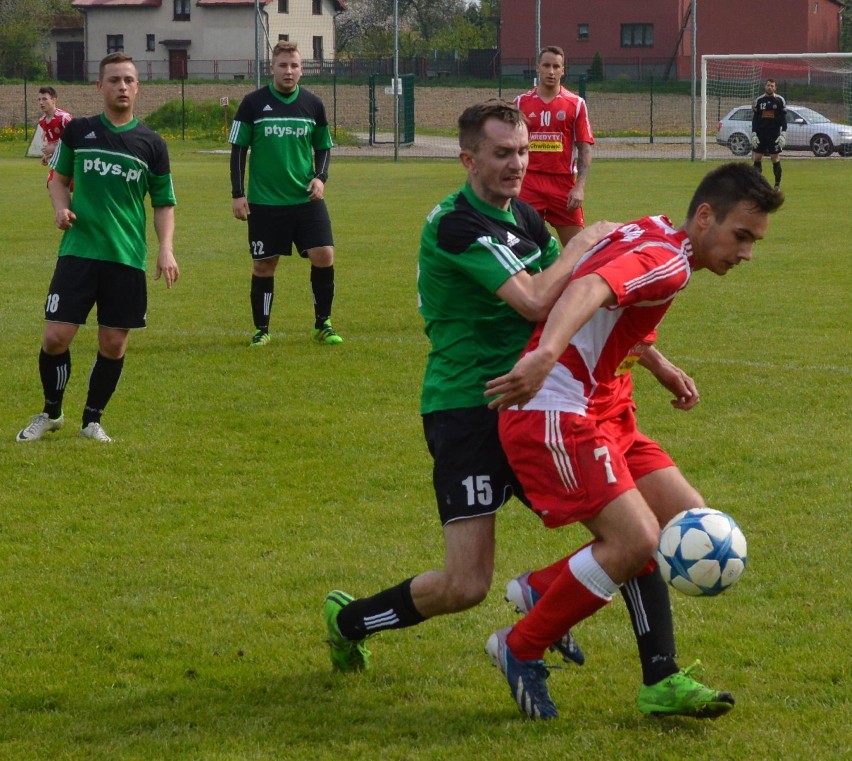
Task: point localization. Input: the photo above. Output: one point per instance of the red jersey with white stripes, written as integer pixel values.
(645, 263)
(54, 126)
(555, 126)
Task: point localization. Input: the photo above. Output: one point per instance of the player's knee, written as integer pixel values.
(467, 592)
(321, 257)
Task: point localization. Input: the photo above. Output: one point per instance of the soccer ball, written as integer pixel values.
(702, 552)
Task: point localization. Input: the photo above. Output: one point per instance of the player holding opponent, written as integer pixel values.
(479, 283)
(115, 161)
(578, 462)
(769, 128)
(286, 128)
(559, 124)
(52, 123)
(487, 267)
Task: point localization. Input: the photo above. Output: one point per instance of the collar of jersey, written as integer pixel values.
(115, 128)
(487, 208)
(281, 96)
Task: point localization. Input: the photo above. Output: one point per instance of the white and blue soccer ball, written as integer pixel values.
(702, 552)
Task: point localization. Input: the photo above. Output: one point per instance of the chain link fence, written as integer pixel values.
(645, 122)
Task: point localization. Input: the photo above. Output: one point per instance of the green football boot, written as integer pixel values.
(346, 654)
(681, 695)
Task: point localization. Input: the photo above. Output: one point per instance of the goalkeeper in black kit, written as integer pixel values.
(769, 128)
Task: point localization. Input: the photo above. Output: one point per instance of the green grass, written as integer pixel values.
(161, 596)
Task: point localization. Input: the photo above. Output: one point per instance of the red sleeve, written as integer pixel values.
(648, 273)
(582, 124)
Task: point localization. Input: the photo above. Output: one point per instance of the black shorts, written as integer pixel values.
(471, 474)
(766, 144)
(120, 292)
(273, 230)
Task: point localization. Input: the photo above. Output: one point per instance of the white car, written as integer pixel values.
(807, 130)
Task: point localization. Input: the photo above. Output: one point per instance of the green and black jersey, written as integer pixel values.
(282, 131)
(468, 250)
(113, 169)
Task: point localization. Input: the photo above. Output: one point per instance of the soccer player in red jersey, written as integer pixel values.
(573, 444)
(52, 123)
(559, 128)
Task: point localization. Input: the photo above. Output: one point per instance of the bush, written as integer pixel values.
(201, 118)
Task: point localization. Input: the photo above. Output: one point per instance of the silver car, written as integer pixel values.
(807, 130)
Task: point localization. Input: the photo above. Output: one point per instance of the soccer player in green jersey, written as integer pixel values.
(114, 161)
(487, 267)
(285, 127)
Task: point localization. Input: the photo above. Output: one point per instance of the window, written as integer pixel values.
(582, 31)
(318, 48)
(150, 42)
(317, 7)
(283, 6)
(283, 38)
(115, 43)
(181, 10)
(637, 35)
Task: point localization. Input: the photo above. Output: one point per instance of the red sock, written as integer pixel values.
(567, 602)
(541, 580)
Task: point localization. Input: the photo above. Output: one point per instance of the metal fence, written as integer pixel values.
(644, 124)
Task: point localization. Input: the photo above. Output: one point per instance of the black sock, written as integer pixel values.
(322, 287)
(55, 370)
(262, 292)
(647, 599)
(390, 609)
(776, 170)
(759, 166)
(102, 383)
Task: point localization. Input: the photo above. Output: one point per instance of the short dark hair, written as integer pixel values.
(119, 57)
(770, 79)
(473, 118)
(47, 90)
(732, 183)
(555, 49)
(284, 46)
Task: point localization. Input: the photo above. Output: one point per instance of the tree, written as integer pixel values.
(846, 28)
(425, 26)
(24, 24)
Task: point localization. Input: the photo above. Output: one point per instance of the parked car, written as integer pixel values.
(807, 130)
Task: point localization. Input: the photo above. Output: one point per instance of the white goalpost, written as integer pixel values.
(732, 80)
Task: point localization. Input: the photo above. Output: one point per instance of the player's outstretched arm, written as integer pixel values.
(164, 224)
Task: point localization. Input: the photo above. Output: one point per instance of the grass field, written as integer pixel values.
(161, 596)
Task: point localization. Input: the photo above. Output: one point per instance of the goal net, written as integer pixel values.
(821, 81)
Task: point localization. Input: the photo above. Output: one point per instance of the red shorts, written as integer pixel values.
(571, 467)
(548, 195)
(643, 454)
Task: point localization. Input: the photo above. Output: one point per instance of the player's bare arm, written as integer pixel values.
(671, 378)
(534, 295)
(164, 224)
(60, 196)
(584, 162)
(578, 302)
